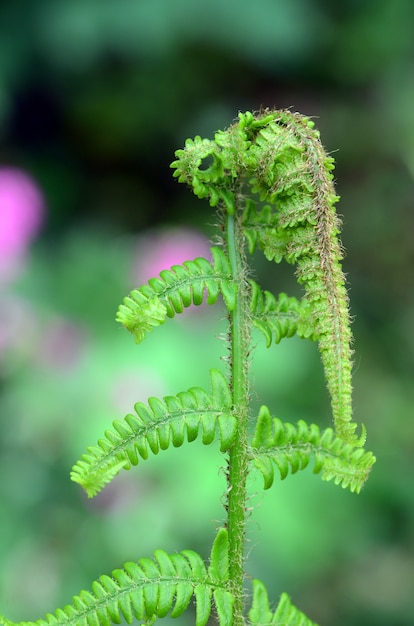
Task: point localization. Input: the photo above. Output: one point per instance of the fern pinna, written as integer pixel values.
(271, 181)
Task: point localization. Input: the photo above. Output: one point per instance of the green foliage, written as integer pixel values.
(280, 317)
(281, 155)
(271, 181)
(176, 289)
(155, 427)
(261, 615)
(152, 588)
(290, 447)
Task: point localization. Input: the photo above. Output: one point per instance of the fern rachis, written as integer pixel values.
(272, 184)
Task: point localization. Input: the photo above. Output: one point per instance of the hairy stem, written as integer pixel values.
(238, 459)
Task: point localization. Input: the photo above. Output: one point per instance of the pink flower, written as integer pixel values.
(21, 217)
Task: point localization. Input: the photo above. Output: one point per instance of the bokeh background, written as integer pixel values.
(95, 96)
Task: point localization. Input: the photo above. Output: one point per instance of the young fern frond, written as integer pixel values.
(176, 289)
(289, 213)
(261, 229)
(286, 613)
(152, 588)
(280, 317)
(292, 173)
(155, 427)
(272, 181)
(215, 181)
(290, 447)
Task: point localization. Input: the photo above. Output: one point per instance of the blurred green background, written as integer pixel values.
(95, 96)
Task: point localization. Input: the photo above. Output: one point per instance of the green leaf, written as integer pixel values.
(156, 427)
(290, 447)
(203, 595)
(260, 613)
(219, 557)
(176, 289)
(140, 314)
(286, 614)
(224, 602)
(149, 589)
(281, 317)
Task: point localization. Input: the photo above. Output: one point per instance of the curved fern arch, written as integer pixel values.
(176, 289)
(157, 426)
(271, 181)
(165, 585)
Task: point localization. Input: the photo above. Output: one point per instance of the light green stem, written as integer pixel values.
(238, 460)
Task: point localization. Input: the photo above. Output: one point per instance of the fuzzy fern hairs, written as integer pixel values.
(271, 182)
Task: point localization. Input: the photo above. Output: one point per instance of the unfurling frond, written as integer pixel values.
(292, 174)
(176, 289)
(261, 229)
(281, 317)
(155, 427)
(290, 214)
(152, 588)
(290, 447)
(286, 613)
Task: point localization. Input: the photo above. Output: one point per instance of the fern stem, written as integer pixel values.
(238, 459)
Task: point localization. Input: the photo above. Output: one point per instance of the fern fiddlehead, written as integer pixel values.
(294, 174)
(281, 158)
(272, 182)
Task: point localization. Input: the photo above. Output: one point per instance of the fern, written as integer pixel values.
(279, 317)
(290, 447)
(176, 289)
(288, 169)
(292, 172)
(285, 615)
(261, 228)
(271, 181)
(155, 427)
(152, 588)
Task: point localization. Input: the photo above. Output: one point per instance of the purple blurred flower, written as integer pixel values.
(21, 216)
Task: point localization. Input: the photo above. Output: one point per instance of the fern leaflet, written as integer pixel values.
(261, 229)
(156, 426)
(285, 615)
(290, 447)
(211, 182)
(281, 317)
(175, 289)
(152, 588)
